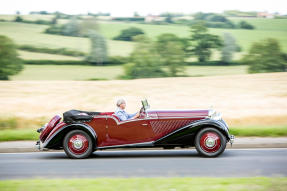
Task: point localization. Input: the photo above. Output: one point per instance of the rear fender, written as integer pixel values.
(55, 138)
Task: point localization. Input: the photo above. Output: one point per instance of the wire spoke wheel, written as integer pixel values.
(210, 142)
(78, 144)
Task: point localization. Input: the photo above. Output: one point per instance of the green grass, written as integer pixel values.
(32, 34)
(265, 28)
(243, 131)
(18, 134)
(68, 72)
(260, 131)
(141, 184)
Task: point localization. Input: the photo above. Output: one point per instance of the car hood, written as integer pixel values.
(179, 113)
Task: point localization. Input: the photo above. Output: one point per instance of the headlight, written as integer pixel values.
(212, 114)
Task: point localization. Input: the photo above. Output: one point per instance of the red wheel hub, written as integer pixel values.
(78, 144)
(210, 142)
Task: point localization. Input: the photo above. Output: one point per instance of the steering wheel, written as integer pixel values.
(142, 110)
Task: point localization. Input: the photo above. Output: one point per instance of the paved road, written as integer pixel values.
(147, 163)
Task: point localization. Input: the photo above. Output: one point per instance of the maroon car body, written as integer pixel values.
(168, 129)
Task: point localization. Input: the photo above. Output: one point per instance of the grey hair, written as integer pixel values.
(120, 101)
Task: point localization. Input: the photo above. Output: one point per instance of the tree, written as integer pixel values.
(144, 60)
(10, 64)
(171, 51)
(18, 19)
(229, 47)
(202, 42)
(88, 25)
(128, 34)
(72, 28)
(265, 56)
(98, 53)
(245, 25)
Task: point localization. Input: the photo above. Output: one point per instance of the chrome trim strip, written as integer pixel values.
(127, 121)
(128, 145)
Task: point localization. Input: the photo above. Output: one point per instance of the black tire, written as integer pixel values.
(204, 153)
(72, 154)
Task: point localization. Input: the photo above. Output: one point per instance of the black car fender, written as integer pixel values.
(55, 141)
(184, 134)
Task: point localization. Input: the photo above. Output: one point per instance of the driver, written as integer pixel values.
(121, 113)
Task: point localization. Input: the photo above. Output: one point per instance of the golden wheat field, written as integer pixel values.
(250, 98)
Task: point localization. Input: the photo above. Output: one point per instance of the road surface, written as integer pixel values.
(145, 163)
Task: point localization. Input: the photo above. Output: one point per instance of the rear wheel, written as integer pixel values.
(78, 144)
(210, 142)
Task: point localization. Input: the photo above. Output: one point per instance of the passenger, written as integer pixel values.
(121, 113)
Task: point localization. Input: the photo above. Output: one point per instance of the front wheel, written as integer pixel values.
(78, 144)
(210, 142)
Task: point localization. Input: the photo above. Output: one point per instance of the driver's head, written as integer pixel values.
(121, 103)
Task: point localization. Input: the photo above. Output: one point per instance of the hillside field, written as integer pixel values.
(32, 34)
(247, 99)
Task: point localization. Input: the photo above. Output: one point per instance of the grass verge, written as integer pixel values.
(18, 135)
(139, 184)
(272, 131)
(259, 131)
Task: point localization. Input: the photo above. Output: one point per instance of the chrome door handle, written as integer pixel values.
(144, 124)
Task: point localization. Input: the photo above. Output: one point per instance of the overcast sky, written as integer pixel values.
(143, 7)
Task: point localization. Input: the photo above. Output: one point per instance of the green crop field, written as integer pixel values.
(32, 34)
(265, 28)
(66, 72)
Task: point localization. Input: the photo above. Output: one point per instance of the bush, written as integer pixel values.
(10, 63)
(18, 19)
(145, 62)
(265, 56)
(54, 29)
(245, 25)
(128, 34)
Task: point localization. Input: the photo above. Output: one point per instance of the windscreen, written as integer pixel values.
(145, 104)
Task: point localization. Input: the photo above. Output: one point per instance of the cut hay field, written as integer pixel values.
(249, 99)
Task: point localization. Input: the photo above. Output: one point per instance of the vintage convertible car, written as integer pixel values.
(80, 133)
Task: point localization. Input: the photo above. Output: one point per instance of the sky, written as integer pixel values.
(143, 7)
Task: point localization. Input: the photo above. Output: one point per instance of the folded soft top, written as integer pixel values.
(73, 116)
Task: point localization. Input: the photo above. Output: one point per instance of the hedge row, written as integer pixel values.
(60, 51)
(213, 63)
(116, 60)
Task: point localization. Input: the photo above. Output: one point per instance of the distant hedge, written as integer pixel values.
(116, 60)
(213, 63)
(55, 62)
(60, 51)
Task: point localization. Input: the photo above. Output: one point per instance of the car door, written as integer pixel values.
(128, 132)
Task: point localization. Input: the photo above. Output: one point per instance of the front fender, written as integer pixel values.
(55, 138)
(184, 134)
